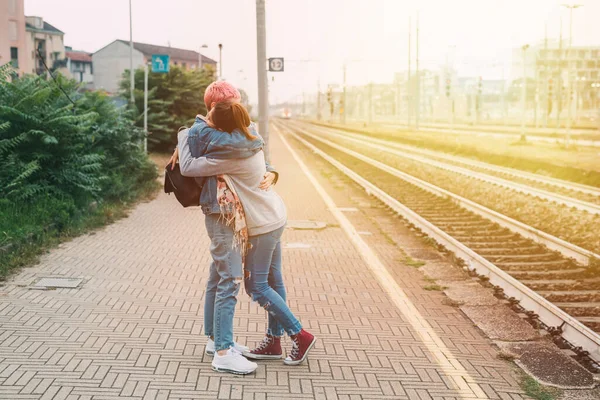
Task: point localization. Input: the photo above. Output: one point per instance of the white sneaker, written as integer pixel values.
(233, 362)
(210, 347)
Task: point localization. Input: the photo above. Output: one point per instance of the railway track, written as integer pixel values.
(472, 169)
(562, 292)
(550, 183)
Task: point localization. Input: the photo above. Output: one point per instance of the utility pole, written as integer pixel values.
(319, 99)
(220, 61)
(408, 85)
(559, 78)
(524, 94)
(547, 76)
(131, 72)
(263, 82)
(370, 103)
(418, 89)
(571, 7)
(504, 111)
(343, 110)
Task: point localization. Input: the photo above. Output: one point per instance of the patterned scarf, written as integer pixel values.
(233, 214)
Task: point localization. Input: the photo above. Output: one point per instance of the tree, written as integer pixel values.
(174, 99)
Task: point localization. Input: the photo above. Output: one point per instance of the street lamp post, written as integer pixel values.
(571, 7)
(524, 93)
(131, 73)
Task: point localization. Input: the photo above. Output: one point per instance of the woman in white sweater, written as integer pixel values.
(258, 218)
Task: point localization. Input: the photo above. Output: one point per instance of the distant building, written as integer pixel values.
(46, 44)
(79, 64)
(13, 41)
(552, 65)
(111, 61)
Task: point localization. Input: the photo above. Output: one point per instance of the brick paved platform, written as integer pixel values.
(135, 329)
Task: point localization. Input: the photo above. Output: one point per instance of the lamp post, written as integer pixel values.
(571, 7)
(524, 93)
(131, 77)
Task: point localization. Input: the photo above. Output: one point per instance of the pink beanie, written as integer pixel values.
(220, 91)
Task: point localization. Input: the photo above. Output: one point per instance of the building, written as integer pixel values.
(79, 64)
(29, 42)
(111, 61)
(13, 40)
(552, 66)
(46, 44)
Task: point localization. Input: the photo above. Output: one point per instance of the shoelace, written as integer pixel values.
(264, 344)
(295, 348)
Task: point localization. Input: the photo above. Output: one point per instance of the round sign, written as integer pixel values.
(276, 64)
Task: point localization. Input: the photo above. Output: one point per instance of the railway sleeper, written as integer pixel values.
(591, 322)
(540, 268)
(476, 243)
(523, 275)
(527, 251)
(478, 225)
(471, 236)
(532, 258)
(572, 296)
(562, 285)
(581, 309)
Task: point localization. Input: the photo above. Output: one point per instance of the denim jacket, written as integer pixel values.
(205, 141)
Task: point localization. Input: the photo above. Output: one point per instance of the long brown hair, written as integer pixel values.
(231, 115)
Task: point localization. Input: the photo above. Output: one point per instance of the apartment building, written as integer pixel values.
(13, 39)
(79, 64)
(111, 61)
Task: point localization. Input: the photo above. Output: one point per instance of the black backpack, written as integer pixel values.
(186, 189)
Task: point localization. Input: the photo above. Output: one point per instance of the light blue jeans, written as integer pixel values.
(265, 282)
(223, 284)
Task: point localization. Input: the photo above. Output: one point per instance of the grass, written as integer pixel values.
(434, 287)
(413, 263)
(535, 390)
(29, 231)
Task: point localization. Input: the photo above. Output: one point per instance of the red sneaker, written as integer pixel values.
(268, 349)
(301, 345)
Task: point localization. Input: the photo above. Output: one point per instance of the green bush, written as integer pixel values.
(174, 100)
(61, 150)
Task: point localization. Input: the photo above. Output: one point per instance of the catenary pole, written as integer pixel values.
(418, 78)
(408, 83)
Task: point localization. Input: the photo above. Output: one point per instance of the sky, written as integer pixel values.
(317, 37)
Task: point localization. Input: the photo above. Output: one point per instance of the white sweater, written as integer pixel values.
(265, 210)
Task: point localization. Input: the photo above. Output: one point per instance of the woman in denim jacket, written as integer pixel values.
(258, 219)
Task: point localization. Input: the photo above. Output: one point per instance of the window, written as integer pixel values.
(12, 31)
(12, 7)
(184, 65)
(14, 57)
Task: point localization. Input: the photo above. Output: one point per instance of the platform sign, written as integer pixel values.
(276, 64)
(160, 63)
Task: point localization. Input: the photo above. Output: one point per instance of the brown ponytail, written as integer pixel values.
(229, 116)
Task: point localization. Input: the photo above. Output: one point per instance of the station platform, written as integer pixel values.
(133, 328)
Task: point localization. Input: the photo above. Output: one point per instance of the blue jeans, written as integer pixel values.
(223, 284)
(265, 282)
